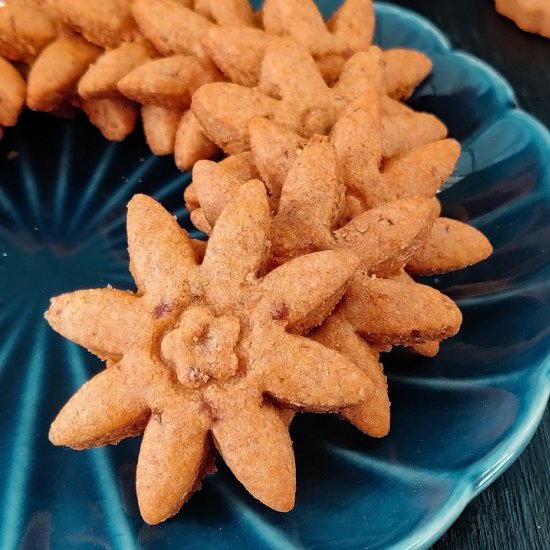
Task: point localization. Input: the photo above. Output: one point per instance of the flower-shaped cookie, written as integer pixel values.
(375, 180)
(195, 350)
(176, 29)
(418, 161)
(291, 92)
(238, 51)
(375, 170)
(310, 216)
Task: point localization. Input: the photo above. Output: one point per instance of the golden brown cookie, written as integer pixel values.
(529, 15)
(310, 212)
(291, 92)
(238, 52)
(357, 138)
(194, 351)
(371, 416)
(364, 143)
(275, 149)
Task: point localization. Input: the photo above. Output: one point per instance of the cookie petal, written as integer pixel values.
(358, 141)
(404, 71)
(254, 442)
(274, 149)
(427, 349)
(161, 253)
(289, 71)
(362, 72)
(241, 166)
(306, 375)
(450, 245)
(56, 71)
(173, 449)
(224, 109)
(404, 131)
(230, 12)
(215, 187)
(311, 203)
(101, 79)
(299, 19)
(238, 245)
(420, 173)
(115, 117)
(238, 52)
(12, 93)
(372, 414)
(303, 291)
(168, 82)
(105, 410)
(198, 219)
(106, 23)
(352, 26)
(430, 348)
(191, 143)
(390, 312)
(99, 320)
(385, 237)
(160, 125)
(24, 31)
(172, 27)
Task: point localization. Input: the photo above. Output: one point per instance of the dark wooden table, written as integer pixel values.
(514, 512)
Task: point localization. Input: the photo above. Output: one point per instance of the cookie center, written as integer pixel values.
(202, 346)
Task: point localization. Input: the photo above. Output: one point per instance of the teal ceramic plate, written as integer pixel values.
(458, 420)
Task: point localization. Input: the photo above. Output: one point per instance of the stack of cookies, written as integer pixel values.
(319, 216)
(117, 59)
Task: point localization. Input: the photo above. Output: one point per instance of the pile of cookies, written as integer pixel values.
(318, 217)
(118, 59)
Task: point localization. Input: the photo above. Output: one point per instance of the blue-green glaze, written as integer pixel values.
(458, 420)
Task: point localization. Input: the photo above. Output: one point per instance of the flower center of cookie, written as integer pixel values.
(202, 346)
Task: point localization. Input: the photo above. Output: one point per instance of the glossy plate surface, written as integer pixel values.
(458, 420)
